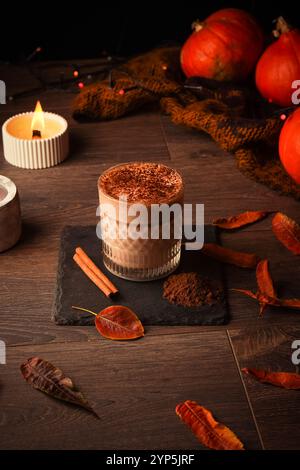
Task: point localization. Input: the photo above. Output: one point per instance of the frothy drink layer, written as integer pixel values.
(147, 183)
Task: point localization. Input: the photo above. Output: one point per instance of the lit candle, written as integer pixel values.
(38, 122)
(36, 139)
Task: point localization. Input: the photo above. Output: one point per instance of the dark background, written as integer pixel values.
(69, 30)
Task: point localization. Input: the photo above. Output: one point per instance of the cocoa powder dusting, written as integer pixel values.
(142, 182)
(190, 290)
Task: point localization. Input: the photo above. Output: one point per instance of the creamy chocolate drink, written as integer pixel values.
(123, 189)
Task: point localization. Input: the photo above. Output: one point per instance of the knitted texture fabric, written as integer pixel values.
(222, 111)
(144, 79)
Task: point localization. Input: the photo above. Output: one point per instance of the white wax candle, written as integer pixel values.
(20, 126)
(10, 214)
(20, 149)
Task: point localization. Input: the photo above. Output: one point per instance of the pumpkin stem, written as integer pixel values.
(281, 27)
(197, 25)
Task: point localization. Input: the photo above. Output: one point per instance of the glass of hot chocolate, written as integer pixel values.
(138, 242)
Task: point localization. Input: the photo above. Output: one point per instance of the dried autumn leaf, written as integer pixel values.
(117, 322)
(290, 303)
(240, 220)
(226, 255)
(264, 279)
(286, 380)
(209, 432)
(47, 378)
(287, 231)
(247, 292)
(266, 294)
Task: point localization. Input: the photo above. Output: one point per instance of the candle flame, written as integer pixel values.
(38, 120)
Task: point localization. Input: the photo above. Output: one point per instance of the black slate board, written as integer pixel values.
(145, 298)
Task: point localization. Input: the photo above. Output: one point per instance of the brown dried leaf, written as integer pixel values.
(287, 231)
(286, 380)
(240, 220)
(47, 378)
(226, 255)
(209, 432)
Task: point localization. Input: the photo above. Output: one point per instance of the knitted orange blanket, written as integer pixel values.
(220, 111)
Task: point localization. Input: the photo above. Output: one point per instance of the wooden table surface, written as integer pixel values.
(135, 386)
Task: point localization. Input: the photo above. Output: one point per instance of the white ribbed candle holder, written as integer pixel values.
(10, 214)
(23, 151)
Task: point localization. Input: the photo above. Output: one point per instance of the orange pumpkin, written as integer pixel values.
(279, 65)
(224, 47)
(289, 145)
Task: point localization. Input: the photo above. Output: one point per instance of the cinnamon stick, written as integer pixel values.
(87, 260)
(92, 276)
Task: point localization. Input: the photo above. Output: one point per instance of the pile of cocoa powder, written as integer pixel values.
(190, 290)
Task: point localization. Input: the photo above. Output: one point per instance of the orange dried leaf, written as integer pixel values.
(264, 300)
(209, 432)
(240, 220)
(287, 380)
(264, 280)
(226, 255)
(246, 292)
(290, 303)
(266, 294)
(119, 323)
(287, 231)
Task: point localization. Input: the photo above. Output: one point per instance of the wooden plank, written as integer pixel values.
(42, 202)
(276, 410)
(134, 386)
(135, 137)
(27, 274)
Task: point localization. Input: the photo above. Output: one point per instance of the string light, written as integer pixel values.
(283, 117)
(165, 67)
(80, 85)
(75, 73)
(121, 92)
(36, 51)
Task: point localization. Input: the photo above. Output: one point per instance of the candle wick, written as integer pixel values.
(36, 134)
